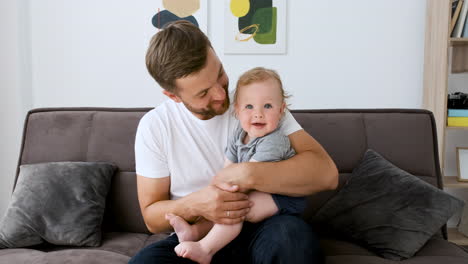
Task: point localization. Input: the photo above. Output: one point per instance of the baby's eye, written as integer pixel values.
(204, 93)
(249, 106)
(268, 106)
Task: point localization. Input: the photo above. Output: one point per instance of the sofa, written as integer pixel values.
(406, 136)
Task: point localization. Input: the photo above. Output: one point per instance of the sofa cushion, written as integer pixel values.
(69, 256)
(436, 251)
(61, 203)
(386, 209)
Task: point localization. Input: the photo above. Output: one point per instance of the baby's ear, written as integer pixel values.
(236, 109)
(283, 107)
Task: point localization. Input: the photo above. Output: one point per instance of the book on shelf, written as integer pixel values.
(465, 29)
(457, 121)
(460, 24)
(458, 112)
(456, 8)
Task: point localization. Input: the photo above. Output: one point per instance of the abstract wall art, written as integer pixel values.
(255, 26)
(195, 11)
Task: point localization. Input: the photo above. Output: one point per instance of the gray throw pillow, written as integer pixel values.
(386, 209)
(61, 203)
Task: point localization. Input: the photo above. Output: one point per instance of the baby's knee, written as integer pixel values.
(252, 217)
(256, 214)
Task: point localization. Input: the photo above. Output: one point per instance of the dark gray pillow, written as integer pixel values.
(386, 209)
(60, 202)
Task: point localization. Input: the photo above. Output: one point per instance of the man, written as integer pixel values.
(179, 148)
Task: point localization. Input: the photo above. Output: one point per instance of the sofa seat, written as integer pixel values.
(119, 247)
(116, 247)
(436, 251)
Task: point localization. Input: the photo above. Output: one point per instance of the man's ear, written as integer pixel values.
(172, 96)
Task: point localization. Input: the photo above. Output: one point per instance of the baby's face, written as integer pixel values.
(260, 107)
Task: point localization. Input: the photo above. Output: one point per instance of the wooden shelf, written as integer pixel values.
(452, 182)
(458, 41)
(456, 237)
(456, 128)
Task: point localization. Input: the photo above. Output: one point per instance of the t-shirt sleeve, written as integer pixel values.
(289, 124)
(231, 148)
(150, 157)
(274, 147)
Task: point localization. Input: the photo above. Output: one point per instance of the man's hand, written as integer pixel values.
(222, 206)
(236, 174)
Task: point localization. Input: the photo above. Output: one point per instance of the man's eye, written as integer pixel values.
(249, 106)
(268, 106)
(203, 94)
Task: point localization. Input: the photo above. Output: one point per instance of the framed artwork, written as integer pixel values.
(255, 27)
(462, 164)
(195, 11)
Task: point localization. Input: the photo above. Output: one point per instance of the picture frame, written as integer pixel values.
(257, 28)
(194, 11)
(462, 164)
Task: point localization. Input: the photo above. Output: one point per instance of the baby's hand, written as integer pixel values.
(233, 176)
(224, 185)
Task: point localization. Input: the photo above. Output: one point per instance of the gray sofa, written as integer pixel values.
(105, 134)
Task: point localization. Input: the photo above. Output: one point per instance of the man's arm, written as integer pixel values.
(211, 203)
(311, 170)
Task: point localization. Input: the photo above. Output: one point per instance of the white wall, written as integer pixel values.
(15, 93)
(340, 54)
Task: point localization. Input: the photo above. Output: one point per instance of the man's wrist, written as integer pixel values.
(190, 212)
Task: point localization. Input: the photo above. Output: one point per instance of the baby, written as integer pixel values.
(259, 103)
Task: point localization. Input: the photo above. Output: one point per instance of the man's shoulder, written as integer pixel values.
(168, 107)
(159, 115)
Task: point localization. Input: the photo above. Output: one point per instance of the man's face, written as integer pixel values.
(204, 93)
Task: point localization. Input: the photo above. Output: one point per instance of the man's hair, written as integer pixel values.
(259, 74)
(176, 51)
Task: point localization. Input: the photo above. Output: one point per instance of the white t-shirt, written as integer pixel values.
(171, 141)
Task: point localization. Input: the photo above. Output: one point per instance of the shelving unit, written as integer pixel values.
(456, 128)
(436, 64)
(456, 237)
(458, 41)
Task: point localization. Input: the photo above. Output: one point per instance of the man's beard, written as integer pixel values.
(209, 112)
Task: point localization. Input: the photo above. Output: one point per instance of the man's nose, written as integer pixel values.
(219, 93)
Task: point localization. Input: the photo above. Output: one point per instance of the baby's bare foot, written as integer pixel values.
(194, 251)
(184, 231)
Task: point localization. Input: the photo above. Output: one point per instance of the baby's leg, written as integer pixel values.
(203, 250)
(220, 235)
(187, 232)
(263, 207)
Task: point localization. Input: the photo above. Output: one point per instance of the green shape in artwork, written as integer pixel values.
(266, 18)
(246, 20)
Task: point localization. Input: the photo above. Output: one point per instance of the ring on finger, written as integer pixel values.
(228, 213)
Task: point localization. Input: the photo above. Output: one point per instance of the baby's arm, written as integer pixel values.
(227, 162)
(217, 237)
(196, 231)
(263, 204)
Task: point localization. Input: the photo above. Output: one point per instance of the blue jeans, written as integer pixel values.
(278, 239)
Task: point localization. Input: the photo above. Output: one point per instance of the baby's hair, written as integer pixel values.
(259, 74)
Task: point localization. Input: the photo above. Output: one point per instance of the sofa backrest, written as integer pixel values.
(407, 138)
